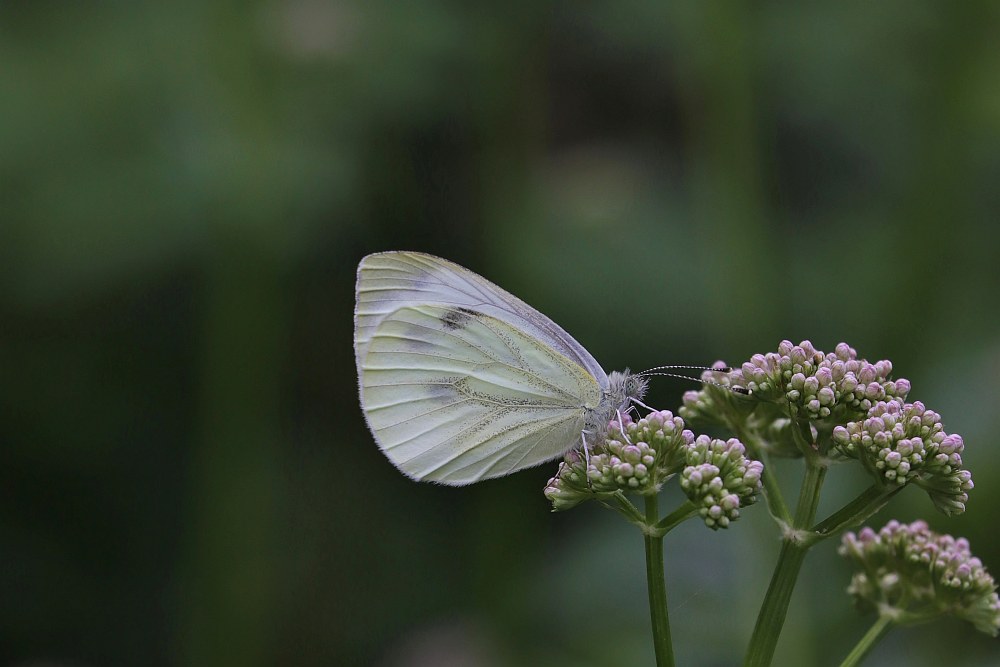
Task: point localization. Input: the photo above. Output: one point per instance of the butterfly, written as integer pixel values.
(461, 381)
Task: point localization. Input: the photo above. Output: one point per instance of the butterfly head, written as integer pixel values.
(624, 386)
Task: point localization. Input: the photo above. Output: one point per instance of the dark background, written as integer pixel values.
(186, 189)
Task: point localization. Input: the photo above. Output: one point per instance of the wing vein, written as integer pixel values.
(486, 353)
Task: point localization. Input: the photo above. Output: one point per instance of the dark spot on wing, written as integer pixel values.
(457, 318)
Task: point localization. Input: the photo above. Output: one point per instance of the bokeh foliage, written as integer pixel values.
(187, 187)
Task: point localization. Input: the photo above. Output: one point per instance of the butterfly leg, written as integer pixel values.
(638, 402)
(621, 427)
(586, 459)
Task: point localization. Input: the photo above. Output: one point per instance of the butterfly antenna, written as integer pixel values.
(735, 390)
(720, 369)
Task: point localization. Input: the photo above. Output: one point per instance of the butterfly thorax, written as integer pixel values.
(622, 387)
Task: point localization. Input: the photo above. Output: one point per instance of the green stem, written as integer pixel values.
(772, 492)
(772, 614)
(872, 637)
(772, 495)
(672, 520)
(657, 589)
(868, 502)
(805, 511)
(620, 503)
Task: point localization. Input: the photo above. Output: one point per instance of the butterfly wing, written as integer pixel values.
(454, 395)
(391, 280)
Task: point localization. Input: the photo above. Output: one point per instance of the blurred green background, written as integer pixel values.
(186, 190)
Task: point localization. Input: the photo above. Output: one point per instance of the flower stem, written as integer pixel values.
(657, 589)
(772, 495)
(868, 502)
(672, 520)
(620, 503)
(872, 637)
(779, 593)
(772, 492)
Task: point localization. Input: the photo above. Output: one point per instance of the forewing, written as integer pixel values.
(391, 280)
(455, 396)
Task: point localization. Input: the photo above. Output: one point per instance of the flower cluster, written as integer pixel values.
(639, 456)
(914, 574)
(719, 479)
(629, 456)
(817, 384)
(905, 442)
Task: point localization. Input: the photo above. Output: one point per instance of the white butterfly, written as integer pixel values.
(462, 381)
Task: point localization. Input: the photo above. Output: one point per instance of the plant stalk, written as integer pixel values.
(868, 502)
(674, 519)
(772, 614)
(620, 503)
(657, 586)
(772, 492)
(872, 637)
